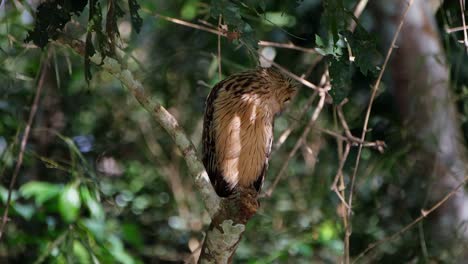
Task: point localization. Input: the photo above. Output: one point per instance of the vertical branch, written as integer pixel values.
(24, 140)
(285, 134)
(375, 88)
(309, 126)
(366, 122)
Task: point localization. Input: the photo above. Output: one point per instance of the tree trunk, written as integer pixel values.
(422, 90)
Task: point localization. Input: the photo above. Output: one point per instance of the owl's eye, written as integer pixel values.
(287, 100)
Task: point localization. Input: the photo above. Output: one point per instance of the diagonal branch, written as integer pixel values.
(162, 116)
(309, 126)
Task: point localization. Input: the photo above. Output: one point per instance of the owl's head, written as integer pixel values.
(282, 88)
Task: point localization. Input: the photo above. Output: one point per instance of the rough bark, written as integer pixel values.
(227, 226)
(422, 91)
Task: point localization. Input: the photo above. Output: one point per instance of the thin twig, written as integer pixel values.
(465, 34)
(290, 74)
(366, 122)
(353, 141)
(282, 138)
(424, 214)
(357, 13)
(341, 194)
(309, 126)
(369, 108)
(51, 246)
(455, 29)
(339, 176)
(297, 78)
(224, 34)
(312, 65)
(351, 57)
(210, 28)
(189, 24)
(334, 186)
(24, 140)
(343, 122)
(286, 46)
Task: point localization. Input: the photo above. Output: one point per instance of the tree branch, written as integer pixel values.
(162, 116)
(24, 141)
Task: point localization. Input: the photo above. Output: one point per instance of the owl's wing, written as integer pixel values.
(209, 145)
(259, 182)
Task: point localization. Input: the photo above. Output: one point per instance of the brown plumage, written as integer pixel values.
(238, 127)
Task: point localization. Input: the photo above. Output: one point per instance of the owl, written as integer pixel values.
(238, 127)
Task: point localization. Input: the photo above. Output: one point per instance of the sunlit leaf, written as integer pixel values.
(96, 227)
(94, 207)
(24, 210)
(40, 191)
(80, 252)
(118, 251)
(280, 19)
(69, 203)
(189, 10)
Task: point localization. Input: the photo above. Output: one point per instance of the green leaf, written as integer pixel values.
(94, 207)
(114, 12)
(262, 5)
(189, 10)
(118, 251)
(69, 203)
(232, 17)
(40, 191)
(132, 234)
(364, 48)
(327, 231)
(229, 11)
(340, 77)
(256, 3)
(26, 211)
(334, 17)
(80, 252)
(96, 227)
(319, 41)
(328, 48)
(137, 21)
(279, 19)
(51, 17)
(4, 195)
